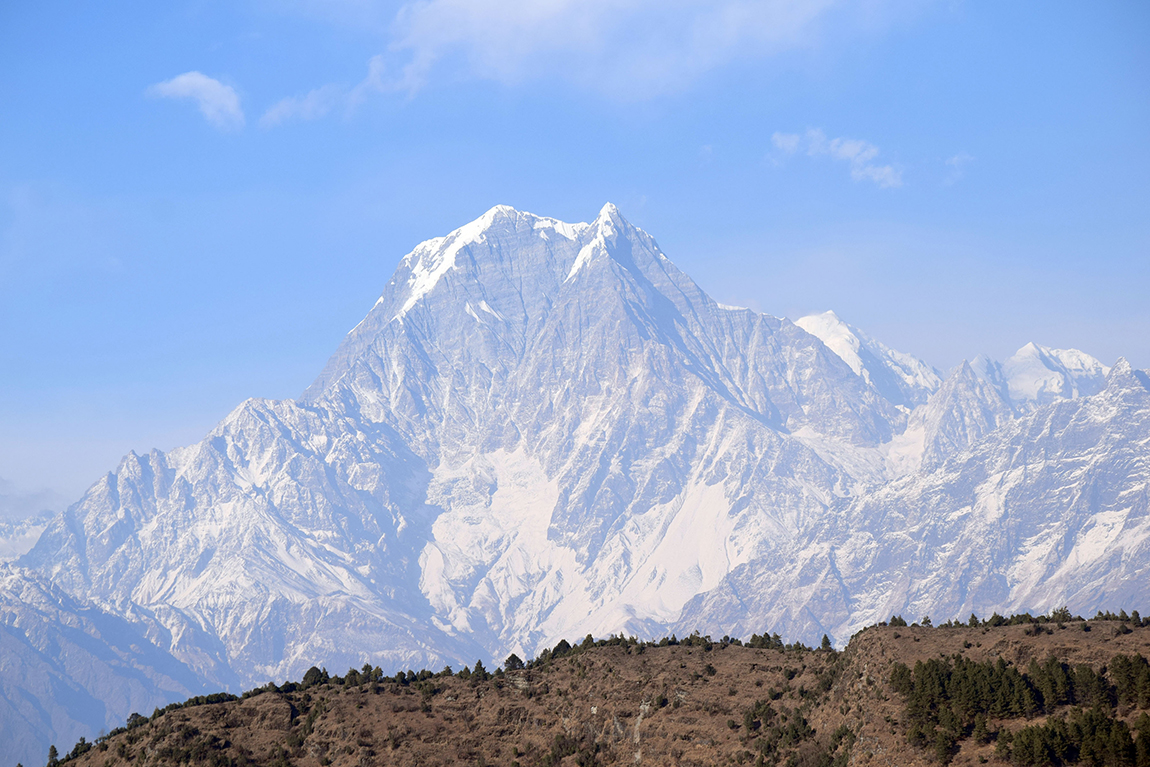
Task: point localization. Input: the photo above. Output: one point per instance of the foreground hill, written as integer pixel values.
(697, 702)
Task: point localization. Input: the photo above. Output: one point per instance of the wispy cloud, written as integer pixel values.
(328, 98)
(632, 48)
(219, 103)
(957, 165)
(858, 154)
(312, 105)
(787, 142)
(628, 49)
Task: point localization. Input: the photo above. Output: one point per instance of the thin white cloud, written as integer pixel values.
(219, 103)
(632, 48)
(858, 154)
(786, 142)
(321, 101)
(629, 49)
(310, 106)
(957, 165)
(373, 83)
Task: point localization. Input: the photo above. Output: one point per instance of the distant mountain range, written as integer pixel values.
(544, 430)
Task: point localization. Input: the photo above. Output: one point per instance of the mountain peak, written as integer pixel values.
(983, 365)
(838, 336)
(434, 258)
(1125, 376)
(900, 378)
(609, 211)
(832, 316)
(1031, 349)
(1040, 374)
(607, 225)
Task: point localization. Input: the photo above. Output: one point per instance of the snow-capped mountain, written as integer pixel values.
(543, 430)
(964, 410)
(522, 440)
(1038, 375)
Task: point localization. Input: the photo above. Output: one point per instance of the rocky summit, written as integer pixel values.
(545, 430)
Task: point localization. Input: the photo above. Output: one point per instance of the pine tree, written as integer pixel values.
(1142, 745)
(313, 676)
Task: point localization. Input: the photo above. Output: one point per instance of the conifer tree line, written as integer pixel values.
(1061, 615)
(948, 700)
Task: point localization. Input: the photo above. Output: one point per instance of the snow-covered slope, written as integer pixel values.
(1048, 510)
(901, 378)
(542, 430)
(289, 536)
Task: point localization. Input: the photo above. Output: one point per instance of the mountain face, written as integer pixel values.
(544, 430)
(963, 410)
(1048, 510)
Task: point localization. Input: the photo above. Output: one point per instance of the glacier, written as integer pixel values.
(543, 430)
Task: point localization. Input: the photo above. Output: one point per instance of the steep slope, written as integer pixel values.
(982, 395)
(964, 410)
(624, 388)
(1056, 503)
(252, 539)
(1036, 375)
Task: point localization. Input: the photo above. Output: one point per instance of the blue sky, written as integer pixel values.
(198, 199)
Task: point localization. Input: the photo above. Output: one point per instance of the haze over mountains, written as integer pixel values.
(544, 430)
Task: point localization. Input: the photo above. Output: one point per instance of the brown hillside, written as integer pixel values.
(619, 704)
